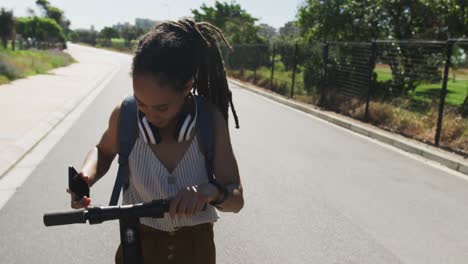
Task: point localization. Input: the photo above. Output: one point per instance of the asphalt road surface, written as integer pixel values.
(314, 193)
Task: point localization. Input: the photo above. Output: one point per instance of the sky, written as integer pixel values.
(109, 12)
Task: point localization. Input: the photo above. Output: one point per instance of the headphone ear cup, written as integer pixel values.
(149, 132)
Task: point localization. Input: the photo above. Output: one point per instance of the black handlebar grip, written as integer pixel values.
(65, 218)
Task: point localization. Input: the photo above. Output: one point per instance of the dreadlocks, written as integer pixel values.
(176, 52)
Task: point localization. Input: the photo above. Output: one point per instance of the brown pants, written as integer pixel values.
(189, 245)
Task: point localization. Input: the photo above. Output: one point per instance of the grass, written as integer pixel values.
(457, 89)
(22, 63)
(383, 75)
(456, 92)
(282, 79)
(422, 126)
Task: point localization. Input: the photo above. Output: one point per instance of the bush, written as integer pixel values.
(381, 114)
(40, 29)
(21, 63)
(454, 127)
(246, 56)
(8, 70)
(409, 124)
(313, 68)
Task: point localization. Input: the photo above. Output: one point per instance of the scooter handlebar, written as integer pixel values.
(99, 214)
(65, 218)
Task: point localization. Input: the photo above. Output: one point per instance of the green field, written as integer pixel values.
(22, 63)
(456, 90)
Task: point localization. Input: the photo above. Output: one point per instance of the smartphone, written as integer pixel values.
(76, 184)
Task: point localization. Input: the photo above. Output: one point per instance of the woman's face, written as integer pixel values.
(160, 104)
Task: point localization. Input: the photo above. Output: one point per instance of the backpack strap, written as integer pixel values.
(205, 127)
(127, 135)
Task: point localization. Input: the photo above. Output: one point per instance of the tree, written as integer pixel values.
(31, 12)
(40, 29)
(7, 26)
(290, 30)
(267, 32)
(285, 48)
(286, 41)
(427, 19)
(237, 25)
(55, 13)
(130, 33)
(367, 20)
(342, 20)
(107, 34)
(50, 11)
(350, 20)
(85, 36)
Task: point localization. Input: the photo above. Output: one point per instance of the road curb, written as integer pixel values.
(46, 126)
(376, 133)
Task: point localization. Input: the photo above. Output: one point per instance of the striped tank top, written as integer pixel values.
(148, 180)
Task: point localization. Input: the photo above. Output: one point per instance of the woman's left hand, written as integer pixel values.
(191, 200)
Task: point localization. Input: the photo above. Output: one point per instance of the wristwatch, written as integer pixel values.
(224, 193)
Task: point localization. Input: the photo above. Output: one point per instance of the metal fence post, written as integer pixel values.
(294, 69)
(324, 77)
(13, 42)
(255, 74)
(255, 64)
(443, 92)
(272, 66)
(371, 83)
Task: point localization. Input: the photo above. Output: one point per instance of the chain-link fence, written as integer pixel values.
(416, 88)
(407, 87)
(453, 131)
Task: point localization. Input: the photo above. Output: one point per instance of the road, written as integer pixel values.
(314, 193)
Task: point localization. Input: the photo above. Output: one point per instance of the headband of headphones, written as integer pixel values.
(184, 131)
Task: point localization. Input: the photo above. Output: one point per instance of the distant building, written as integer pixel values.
(119, 26)
(290, 30)
(267, 31)
(145, 24)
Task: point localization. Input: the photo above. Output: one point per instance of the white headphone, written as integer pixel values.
(184, 131)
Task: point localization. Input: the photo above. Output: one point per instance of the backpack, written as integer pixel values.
(127, 136)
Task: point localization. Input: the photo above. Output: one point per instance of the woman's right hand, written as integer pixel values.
(84, 201)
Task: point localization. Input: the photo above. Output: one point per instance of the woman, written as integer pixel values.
(170, 61)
